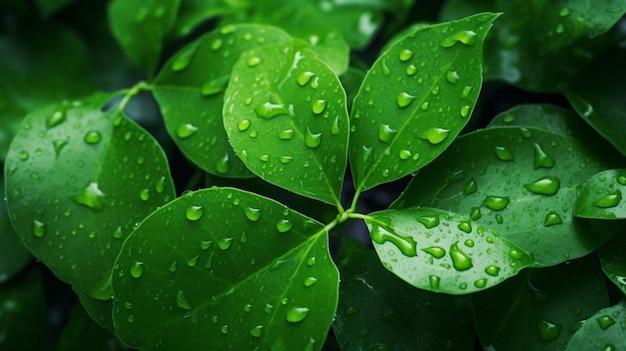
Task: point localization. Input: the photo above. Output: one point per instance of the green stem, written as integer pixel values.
(130, 93)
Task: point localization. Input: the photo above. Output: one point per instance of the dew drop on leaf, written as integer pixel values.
(434, 282)
(386, 134)
(435, 135)
(503, 153)
(225, 243)
(136, 269)
(466, 37)
(173, 267)
(429, 221)
(304, 78)
(91, 197)
(256, 331)
(475, 213)
(492, 270)
(284, 225)
(610, 200)
(480, 283)
(268, 110)
(93, 137)
(544, 186)
(541, 159)
(223, 164)
(435, 251)
(183, 60)
(56, 118)
(186, 130)
(310, 281)
(460, 260)
(194, 213)
(297, 314)
(605, 322)
(405, 55)
(405, 154)
(547, 330)
(243, 125)
(621, 180)
(318, 106)
(411, 70)
(452, 76)
(253, 61)
(406, 244)
(39, 229)
(310, 261)
(144, 194)
(312, 140)
(404, 99)
(286, 134)
(496, 203)
(182, 302)
(465, 226)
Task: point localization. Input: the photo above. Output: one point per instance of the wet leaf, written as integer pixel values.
(597, 95)
(378, 310)
(601, 196)
(521, 182)
(612, 258)
(443, 252)
(539, 309)
(605, 330)
(13, 255)
(80, 180)
(191, 97)
(141, 26)
(81, 333)
(221, 268)
(415, 100)
(285, 115)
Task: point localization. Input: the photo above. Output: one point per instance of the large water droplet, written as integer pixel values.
(182, 302)
(605, 322)
(225, 243)
(286, 134)
(465, 226)
(136, 269)
(183, 59)
(318, 106)
(256, 331)
(434, 282)
(465, 110)
(91, 197)
(194, 213)
(404, 99)
(452, 76)
(252, 213)
(405, 154)
(548, 331)
(253, 61)
(39, 228)
(297, 314)
(435, 135)
(56, 118)
(304, 78)
(470, 187)
(610, 200)
(541, 159)
(406, 244)
(544, 186)
(386, 133)
(480, 283)
(466, 37)
(312, 140)
(551, 219)
(429, 221)
(284, 225)
(411, 70)
(223, 164)
(460, 260)
(492, 270)
(186, 130)
(405, 55)
(310, 281)
(243, 125)
(269, 110)
(496, 203)
(92, 137)
(435, 251)
(503, 153)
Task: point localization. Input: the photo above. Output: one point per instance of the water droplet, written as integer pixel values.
(406, 244)
(39, 228)
(144, 194)
(264, 158)
(404, 99)
(405, 154)
(173, 267)
(284, 225)
(130, 318)
(194, 213)
(544, 186)
(605, 322)
(312, 140)
(297, 314)
(452, 76)
(217, 44)
(435, 135)
(224, 243)
(621, 180)
(304, 78)
(117, 234)
(183, 59)
(559, 28)
(405, 55)
(526, 133)
(466, 94)
(385, 68)
(243, 125)
(136, 269)
(186, 130)
(223, 164)
(24, 155)
(503, 153)
(460, 260)
(551, 219)
(466, 37)
(91, 197)
(182, 302)
(386, 133)
(253, 61)
(310, 281)
(541, 159)
(465, 226)
(209, 260)
(192, 262)
(610, 200)
(318, 106)
(470, 187)
(564, 12)
(257, 331)
(480, 283)
(411, 70)
(310, 261)
(160, 185)
(496, 203)
(269, 110)
(286, 134)
(429, 221)
(268, 309)
(475, 213)
(548, 331)
(492, 270)
(434, 282)
(516, 254)
(435, 251)
(55, 119)
(93, 137)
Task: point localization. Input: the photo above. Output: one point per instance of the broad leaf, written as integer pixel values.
(601, 196)
(81, 333)
(192, 13)
(191, 97)
(597, 95)
(378, 310)
(415, 100)
(79, 180)
(140, 27)
(443, 252)
(521, 182)
(613, 260)
(224, 268)
(541, 308)
(605, 330)
(285, 115)
(13, 255)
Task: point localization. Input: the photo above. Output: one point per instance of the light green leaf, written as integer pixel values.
(222, 268)
(415, 100)
(605, 330)
(540, 308)
(613, 260)
(140, 27)
(191, 97)
(601, 196)
(442, 251)
(78, 182)
(13, 255)
(81, 333)
(521, 182)
(597, 95)
(378, 310)
(285, 115)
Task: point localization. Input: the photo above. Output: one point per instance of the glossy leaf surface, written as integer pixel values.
(601, 196)
(541, 308)
(415, 100)
(597, 95)
(140, 26)
(224, 268)
(443, 252)
(521, 182)
(80, 179)
(613, 260)
(378, 310)
(285, 116)
(605, 330)
(191, 97)
(13, 255)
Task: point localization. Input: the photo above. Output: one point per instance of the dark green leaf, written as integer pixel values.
(521, 182)
(605, 330)
(601, 196)
(79, 181)
(285, 115)
(224, 268)
(49, 7)
(140, 27)
(442, 251)
(193, 12)
(379, 311)
(540, 309)
(613, 260)
(597, 94)
(415, 100)
(13, 255)
(81, 333)
(191, 96)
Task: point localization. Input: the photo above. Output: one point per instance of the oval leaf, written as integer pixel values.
(522, 183)
(605, 330)
(441, 251)
(79, 180)
(407, 112)
(191, 97)
(225, 268)
(285, 115)
(601, 196)
(613, 260)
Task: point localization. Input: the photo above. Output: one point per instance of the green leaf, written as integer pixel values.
(601, 196)
(192, 13)
(540, 309)
(191, 97)
(415, 100)
(612, 255)
(81, 333)
(597, 95)
(285, 115)
(49, 7)
(140, 27)
(442, 251)
(521, 182)
(221, 268)
(605, 330)
(79, 180)
(13, 255)
(377, 310)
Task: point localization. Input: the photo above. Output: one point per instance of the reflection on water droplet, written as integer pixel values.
(284, 225)
(39, 229)
(252, 213)
(386, 133)
(404, 99)
(466, 37)
(492, 270)
(411, 70)
(405, 55)
(460, 260)
(225, 243)
(548, 331)
(435, 251)
(406, 244)
(435, 135)
(182, 302)
(243, 125)
(312, 140)
(136, 269)
(144, 194)
(186, 130)
(405, 154)
(310, 261)
(496, 203)
(268, 110)
(503, 153)
(310, 281)
(452, 76)
(297, 314)
(256, 331)
(434, 282)
(304, 78)
(318, 106)
(610, 200)
(544, 186)
(93, 137)
(194, 213)
(91, 197)
(541, 159)
(480, 283)
(429, 221)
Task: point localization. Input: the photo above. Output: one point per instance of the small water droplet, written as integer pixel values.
(297, 314)
(310, 261)
(470, 187)
(475, 213)
(405, 154)
(504, 153)
(284, 225)
(144, 194)
(318, 106)
(610, 200)
(56, 118)
(186, 130)
(452, 76)
(117, 233)
(480, 283)
(434, 282)
(268, 309)
(405, 55)
(551, 219)
(435, 251)
(182, 302)
(183, 59)
(404, 99)
(496, 203)
(209, 260)
(310, 281)
(385, 68)
(544, 186)
(411, 70)
(304, 78)
(386, 133)
(460, 260)
(541, 159)
(424, 106)
(312, 140)
(466, 37)
(429, 221)
(24, 155)
(435, 90)
(268, 110)
(217, 44)
(243, 125)
(91, 197)
(194, 213)
(564, 12)
(92, 137)
(136, 269)
(621, 180)
(264, 158)
(547, 330)
(160, 185)
(516, 254)
(39, 228)
(469, 243)
(406, 244)
(223, 164)
(492, 270)
(465, 226)
(173, 267)
(225, 243)
(286, 134)
(256, 331)
(466, 94)
(435, 135)
(253, 61)
(192, 262)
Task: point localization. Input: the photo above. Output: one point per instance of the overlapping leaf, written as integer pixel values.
(605, 330)
(191, 95)
(224, 268)
(415, 100)
(285, 116)
(613, 260)
(521, 182)
(601, 196)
